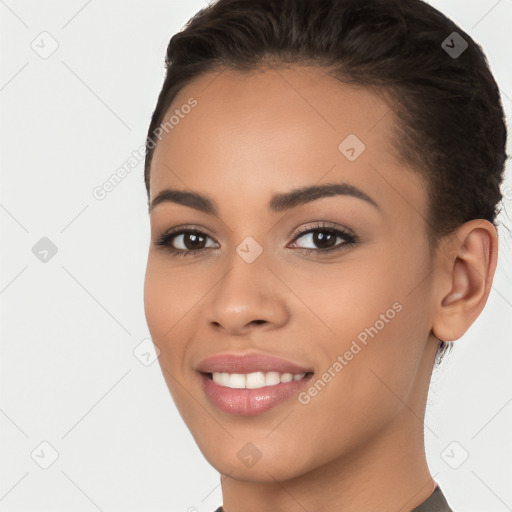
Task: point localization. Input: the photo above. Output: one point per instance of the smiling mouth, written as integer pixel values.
(255, 380)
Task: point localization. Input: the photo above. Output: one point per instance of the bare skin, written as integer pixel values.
(358, 444)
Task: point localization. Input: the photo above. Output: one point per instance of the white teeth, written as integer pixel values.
(236, 380)
(253, 380)
(271, 378)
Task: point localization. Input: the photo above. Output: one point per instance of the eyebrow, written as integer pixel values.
(278, 203)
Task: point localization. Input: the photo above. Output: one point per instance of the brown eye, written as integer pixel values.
(184, 241)
(325, 239)
(192, 241)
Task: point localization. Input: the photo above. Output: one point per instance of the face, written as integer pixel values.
(337, 283)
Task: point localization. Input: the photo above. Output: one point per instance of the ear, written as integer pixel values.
(465, 270)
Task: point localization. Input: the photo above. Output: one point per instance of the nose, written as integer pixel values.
(247, 297)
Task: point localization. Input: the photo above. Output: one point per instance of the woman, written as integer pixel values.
(323, 180)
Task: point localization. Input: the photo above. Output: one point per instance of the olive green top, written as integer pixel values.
(436, 502)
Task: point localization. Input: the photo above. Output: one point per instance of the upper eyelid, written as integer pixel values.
(321, 225)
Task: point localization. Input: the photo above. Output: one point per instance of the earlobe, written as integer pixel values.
(467, 274)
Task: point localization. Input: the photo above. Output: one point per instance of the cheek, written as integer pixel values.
(340, 300)
(373, 314)
(366, 389)
(165, 304)
(156, 300)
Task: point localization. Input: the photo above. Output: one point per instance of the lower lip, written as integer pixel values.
(249, 402)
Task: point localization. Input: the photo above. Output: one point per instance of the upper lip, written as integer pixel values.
(248, 363)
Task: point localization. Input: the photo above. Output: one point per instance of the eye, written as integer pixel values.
(181, 242)
(185, 241)
(324, 236)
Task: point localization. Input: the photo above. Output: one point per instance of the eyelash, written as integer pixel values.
(165, 240)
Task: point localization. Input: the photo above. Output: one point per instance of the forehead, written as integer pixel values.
(266, 131)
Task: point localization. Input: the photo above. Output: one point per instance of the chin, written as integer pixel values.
(244, 461)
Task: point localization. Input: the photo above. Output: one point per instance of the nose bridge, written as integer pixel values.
(246, 279)
(246, 293)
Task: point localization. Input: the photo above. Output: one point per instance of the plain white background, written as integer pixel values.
(71, 375)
